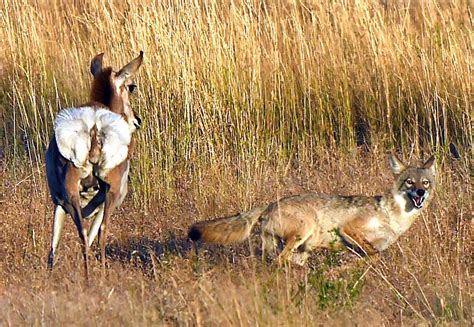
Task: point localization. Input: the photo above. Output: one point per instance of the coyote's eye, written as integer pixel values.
(409, 182)
(426, 183)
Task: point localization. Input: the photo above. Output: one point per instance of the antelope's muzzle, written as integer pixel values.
(137, 122)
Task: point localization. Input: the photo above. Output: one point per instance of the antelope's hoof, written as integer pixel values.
(50, 260)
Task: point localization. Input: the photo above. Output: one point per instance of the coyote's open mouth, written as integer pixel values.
(417, 199)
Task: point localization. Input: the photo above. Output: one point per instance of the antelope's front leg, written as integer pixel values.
(58, 223)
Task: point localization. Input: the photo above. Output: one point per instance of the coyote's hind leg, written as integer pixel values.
(269, 244)
(299, 258)
(293, 243)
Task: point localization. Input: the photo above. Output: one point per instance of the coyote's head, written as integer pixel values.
(417, 184)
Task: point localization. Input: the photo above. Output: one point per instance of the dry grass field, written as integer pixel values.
(243, 102)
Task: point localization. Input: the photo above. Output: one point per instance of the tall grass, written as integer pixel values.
(242, 102)
(153, 276)
(245, 84)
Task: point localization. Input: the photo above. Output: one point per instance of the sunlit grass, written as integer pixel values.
(242, 85)
(242, 102)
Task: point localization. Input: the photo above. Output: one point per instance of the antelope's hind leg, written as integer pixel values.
(73, 206)
(116, 189)
(109, 206)
(75, 211)
(58, 223)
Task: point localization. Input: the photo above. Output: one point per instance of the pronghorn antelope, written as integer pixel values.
(88, 158)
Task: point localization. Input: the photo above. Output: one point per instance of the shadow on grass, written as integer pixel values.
(146, 249)
(144, 253)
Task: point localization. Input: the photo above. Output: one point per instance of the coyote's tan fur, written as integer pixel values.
(308, 221)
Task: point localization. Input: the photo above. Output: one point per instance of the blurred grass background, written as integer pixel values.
(242, 102)
(241, 85)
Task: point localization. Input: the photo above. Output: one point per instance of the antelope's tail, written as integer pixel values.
(91, 135)
(226, 230)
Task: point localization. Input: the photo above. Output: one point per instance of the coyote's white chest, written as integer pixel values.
(400, 223)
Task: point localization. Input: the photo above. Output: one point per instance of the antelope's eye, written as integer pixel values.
(409, 182)
(132, 88)
(426, 183)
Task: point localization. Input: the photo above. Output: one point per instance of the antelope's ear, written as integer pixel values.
(129, 69)
(396, 164)
(430, 164)
(96, 64)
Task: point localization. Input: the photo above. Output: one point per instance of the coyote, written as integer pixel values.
(308, 221)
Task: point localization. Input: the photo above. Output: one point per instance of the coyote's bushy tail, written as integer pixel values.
(228, 229)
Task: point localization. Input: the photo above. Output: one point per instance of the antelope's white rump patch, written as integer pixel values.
(72, 129)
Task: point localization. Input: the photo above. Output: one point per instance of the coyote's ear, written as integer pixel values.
(396, 164)
(430, 164)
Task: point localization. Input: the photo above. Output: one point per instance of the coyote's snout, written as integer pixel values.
(307, 221)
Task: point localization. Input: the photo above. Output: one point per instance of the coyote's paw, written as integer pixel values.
(299, 258)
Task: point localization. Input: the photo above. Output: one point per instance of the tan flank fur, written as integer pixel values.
(88, 158)
(308, 221)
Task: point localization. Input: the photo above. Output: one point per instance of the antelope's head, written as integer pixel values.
(112, 88)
